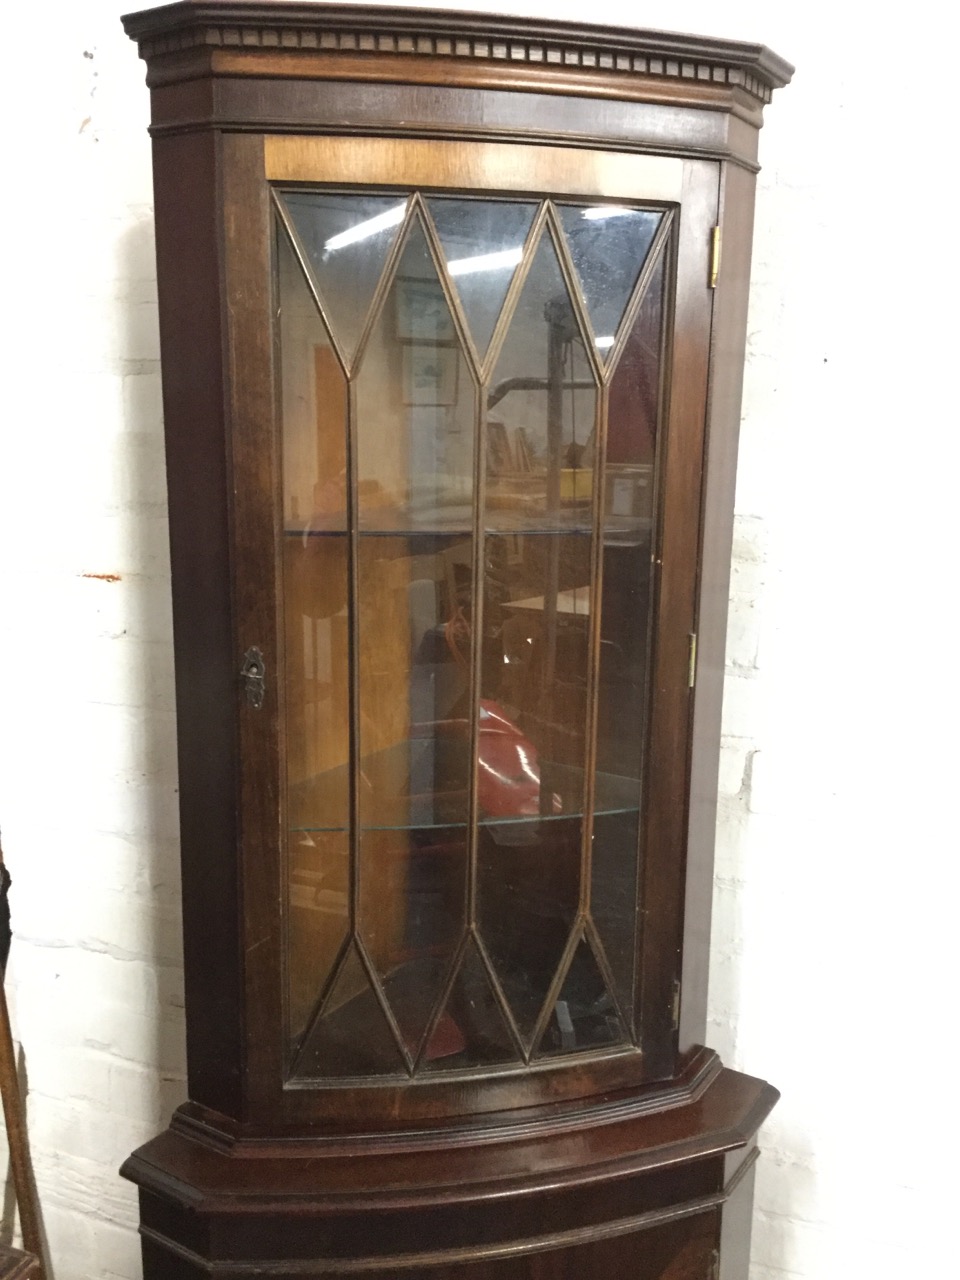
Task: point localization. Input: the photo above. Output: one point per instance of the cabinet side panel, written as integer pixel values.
(188, 258)
(736, 1228)
(669, 743)
(728, 344)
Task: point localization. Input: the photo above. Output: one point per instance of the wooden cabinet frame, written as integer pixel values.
(247, 96)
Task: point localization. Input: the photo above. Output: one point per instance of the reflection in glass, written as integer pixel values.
(471, 1030)
(535, 642)
(483, 243)
(413, 625)
(315, 575)
(352, 1036)
(317, 918)
(314, 399)
(528, 877)
(531, 757)
(535, 660)
(416, 405)
(530, 765)
(625, 630)
(584, 1016)
(414, 628)
(463, 708)
(541, 407)
(415, 467)
(346, 239)
(415, 461)
(608, 244)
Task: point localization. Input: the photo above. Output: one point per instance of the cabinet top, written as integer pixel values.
(569, 50)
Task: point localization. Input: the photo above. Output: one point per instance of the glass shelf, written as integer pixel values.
(536, 821)
(612, 526)
(614, 795)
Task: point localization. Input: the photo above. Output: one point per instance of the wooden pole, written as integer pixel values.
(14, 1116)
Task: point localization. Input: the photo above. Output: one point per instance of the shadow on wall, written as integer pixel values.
(743, 852)
(131, 1052)
(148, 613)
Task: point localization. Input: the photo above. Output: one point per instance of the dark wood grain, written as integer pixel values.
(706, 93)
(679, 1250)
(192, 350)
(384, 1172)
(426, 33)
(304, 106)
(727, 349)
(254, 470)
(665, 830)
(503, 1201)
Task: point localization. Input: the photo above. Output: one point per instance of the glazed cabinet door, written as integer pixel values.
(471, 516)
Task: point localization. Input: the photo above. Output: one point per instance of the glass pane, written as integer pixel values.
(317, 918)
(625, 634)
(414, 680)
(534, 670)
(316, 671)
(346, 239)
(584, 1016)
(414, 594)
(528, 877)
(416, 407)
(314, 400)
(483, 243)
(541, 407)
(412, 988)
(608, 245)
(531, 757)
(314, 567)
(535, 642)
(351, 1037)
(472, 1030)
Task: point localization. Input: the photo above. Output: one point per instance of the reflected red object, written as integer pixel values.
(508, 766)
(508, 776)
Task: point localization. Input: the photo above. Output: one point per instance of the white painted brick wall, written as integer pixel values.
(837, 841)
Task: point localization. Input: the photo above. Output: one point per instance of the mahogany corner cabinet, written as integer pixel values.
(452, 314)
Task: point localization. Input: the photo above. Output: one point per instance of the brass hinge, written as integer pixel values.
(676, 1004)
(714, 256)
(692, 668)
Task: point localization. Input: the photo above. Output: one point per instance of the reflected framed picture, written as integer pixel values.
(522, 450)
(422, 312)
(430, 374)
(629, 490)
(499, 457)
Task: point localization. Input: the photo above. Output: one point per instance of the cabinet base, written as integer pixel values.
(653, 1194)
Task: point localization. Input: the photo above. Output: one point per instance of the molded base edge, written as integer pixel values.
(301, 1208)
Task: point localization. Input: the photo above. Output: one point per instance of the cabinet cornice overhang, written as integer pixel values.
(502, 51)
